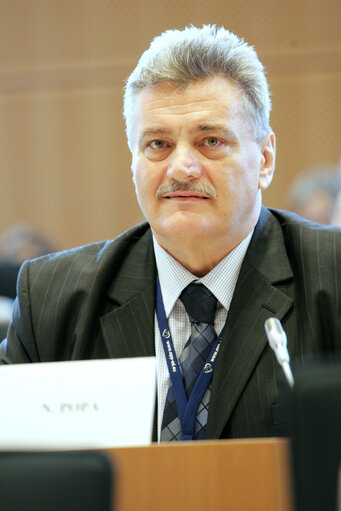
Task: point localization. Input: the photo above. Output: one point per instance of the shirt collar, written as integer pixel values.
(221, 280)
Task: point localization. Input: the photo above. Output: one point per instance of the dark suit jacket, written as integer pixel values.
(98, 301)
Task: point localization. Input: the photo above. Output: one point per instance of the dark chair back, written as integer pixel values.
(55, 481)
(316, 437)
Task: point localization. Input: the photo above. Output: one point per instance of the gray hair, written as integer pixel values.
(183, 56)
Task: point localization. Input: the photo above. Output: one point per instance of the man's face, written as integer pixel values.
(196, 167)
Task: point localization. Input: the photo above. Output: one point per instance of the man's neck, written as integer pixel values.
(197, 257)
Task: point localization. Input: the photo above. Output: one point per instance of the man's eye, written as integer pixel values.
(211, 141)
(157, 144)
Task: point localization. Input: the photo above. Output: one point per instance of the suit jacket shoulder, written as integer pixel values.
(314, 251)
(62, 296)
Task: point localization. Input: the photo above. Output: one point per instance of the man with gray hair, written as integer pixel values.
(195, 283)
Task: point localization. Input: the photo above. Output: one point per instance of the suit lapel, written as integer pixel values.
(128, 329)
(256, 298)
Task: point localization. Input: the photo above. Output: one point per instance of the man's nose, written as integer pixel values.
(183, 164)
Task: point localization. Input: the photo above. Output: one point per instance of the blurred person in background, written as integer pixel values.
(22, 241)
(313, 195)
(17, 244)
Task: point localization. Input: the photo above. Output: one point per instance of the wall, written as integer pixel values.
(65, 166)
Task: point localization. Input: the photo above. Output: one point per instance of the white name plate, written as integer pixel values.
(77, 405)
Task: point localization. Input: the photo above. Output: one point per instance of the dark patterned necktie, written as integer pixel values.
(200, 305)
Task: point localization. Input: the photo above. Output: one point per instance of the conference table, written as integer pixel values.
(234, 475)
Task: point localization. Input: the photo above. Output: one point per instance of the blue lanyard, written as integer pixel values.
(187, 408)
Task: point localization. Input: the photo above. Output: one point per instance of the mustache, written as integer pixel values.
(190, 186)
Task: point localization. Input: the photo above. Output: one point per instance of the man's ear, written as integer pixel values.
(267, 163)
